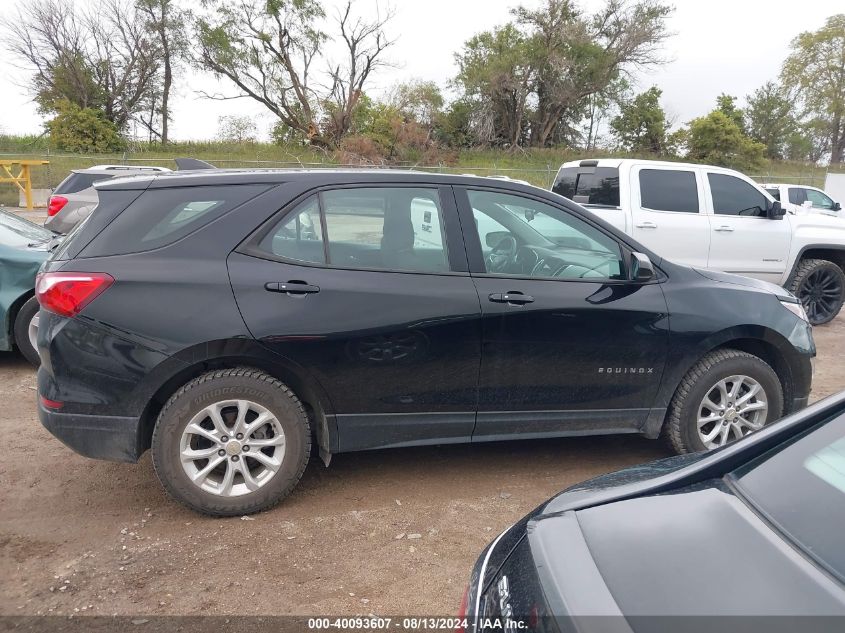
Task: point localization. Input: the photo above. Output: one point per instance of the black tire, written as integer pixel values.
(820, 285)
(681, 427)
(21, 330)
(225, 384)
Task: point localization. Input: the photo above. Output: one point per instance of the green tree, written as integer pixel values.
(420, 101)
(167, 22)
(496, 76)
(770, 119)
(641, 125)
(726, 104)
(76, 129)
(532, 80)
(815, 69)
(716, 139)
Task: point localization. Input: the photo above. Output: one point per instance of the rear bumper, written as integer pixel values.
(111, 438)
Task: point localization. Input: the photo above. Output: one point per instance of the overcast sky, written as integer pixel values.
(729, 46)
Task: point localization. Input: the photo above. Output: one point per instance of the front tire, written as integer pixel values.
(726, 395)
(231, 442)
(820, 286)
(26, 331)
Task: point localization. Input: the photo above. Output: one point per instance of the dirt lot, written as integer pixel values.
(391, 532)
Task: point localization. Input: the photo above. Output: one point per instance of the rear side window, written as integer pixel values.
(669, 190)
(159, 217)
(392, 228)
(797, 195)
(589, 185)
(732, 196)
(77, 182)
(298, 235)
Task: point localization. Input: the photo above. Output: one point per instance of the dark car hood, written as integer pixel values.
(748, 282)
(697, 551)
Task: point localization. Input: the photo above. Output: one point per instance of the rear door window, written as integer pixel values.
(159, 217)
(732, 196)
(298, 236)
(797, 195)
(589, 185)
(77, 182)
(669, 190)
(389, 228)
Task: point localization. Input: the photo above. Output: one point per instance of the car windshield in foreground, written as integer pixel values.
(800, 489)
(17, 232)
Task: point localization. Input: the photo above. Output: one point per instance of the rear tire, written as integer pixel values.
(231, 442)
(705, 413)
(26, 325)
(820, 285)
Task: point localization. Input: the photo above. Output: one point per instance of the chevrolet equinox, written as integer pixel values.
(228, 320)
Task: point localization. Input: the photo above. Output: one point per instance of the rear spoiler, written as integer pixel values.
(188, 164)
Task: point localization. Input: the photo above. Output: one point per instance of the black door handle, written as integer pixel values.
(291, 287)
(512, 297)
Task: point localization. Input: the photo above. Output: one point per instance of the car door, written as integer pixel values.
(340, 286)
(745, 241)
(569, 344)
(667, 213)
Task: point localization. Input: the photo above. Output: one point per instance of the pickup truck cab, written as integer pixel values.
(803, 199)
(717, 218)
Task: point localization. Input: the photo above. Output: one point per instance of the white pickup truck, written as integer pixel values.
(717, 218)
(803, 199)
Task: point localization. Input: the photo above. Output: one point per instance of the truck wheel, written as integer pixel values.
(26, 330)
(820, 285)
(725, 396)
(231, 442)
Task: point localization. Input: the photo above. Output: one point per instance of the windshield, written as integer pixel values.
(801, 490)
(20, 233)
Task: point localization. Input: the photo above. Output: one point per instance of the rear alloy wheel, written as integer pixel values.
(820, 285)
(231, 442)
(26, 331)
(724, 397)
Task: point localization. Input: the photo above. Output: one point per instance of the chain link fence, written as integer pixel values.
(60, 165)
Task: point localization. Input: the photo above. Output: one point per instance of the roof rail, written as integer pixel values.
(129, 167)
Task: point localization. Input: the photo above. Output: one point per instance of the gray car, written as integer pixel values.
(75, 197)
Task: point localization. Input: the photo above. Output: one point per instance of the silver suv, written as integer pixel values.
(75, 197)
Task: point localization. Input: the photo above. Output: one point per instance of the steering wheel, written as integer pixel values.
(502, 255)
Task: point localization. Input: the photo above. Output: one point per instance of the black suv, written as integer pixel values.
(230, 319)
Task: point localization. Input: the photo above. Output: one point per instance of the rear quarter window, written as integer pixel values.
(159, 217)
(589, 185)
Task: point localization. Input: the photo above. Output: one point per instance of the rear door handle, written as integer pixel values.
(724, 229)
(513, 298)
(291, 287)
(646, 225)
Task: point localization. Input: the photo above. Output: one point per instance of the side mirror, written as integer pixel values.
(776, 211)
(641, 267)
(836, 207)
(492, 239)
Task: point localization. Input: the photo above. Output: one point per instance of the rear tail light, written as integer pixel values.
(51, 404)
(56, 204)
(462, 612)
(67, 294)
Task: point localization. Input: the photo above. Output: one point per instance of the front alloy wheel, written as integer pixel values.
(734, 407)
(725, 396)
